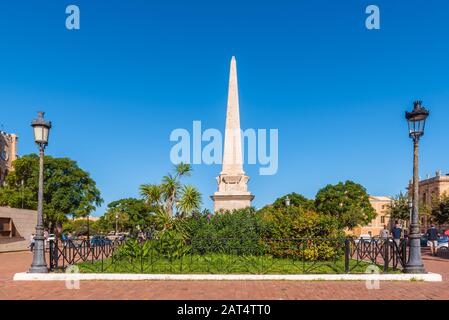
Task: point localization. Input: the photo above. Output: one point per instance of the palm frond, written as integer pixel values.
(190, 200)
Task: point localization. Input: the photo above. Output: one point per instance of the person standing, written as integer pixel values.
(432, 239)
(397, 232)
(384, 233)
(32, 242)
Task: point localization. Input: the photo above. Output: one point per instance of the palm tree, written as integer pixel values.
(183, 169)
(170, 187)
(167, 194)
(189, 201)
(152, 193)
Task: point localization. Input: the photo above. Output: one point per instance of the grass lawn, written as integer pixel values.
(221, 264)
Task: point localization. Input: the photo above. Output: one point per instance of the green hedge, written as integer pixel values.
(277, 231)
(236, 232)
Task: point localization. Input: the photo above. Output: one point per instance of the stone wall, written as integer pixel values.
(8, 153)
(24, 222)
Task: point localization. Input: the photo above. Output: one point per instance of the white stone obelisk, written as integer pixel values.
(232, 182)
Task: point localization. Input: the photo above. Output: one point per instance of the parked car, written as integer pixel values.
(99, 240)
(112, 236)
(51, 237)
(363, 238)
(443, 243)
(423, 240)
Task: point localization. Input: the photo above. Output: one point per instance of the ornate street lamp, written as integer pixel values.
(116, 223)
(416, 124)
(41, 132)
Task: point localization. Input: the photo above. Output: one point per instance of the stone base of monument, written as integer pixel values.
(24, 276)
(227, 201)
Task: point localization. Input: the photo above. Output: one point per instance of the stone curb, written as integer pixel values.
(24, 276)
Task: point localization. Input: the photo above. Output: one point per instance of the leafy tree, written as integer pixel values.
(399, 208)
(440, 210)
(297, 222)
(296, 200)
(171, 193)
(79, 227)
(131, 213)
(348, 202)
(318, 236)
(68, 190)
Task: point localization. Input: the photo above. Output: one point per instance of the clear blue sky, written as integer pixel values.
(138, 69)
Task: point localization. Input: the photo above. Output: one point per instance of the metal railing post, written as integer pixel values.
(347, 254)
(404, 252)
(50, 253)
(386, 254)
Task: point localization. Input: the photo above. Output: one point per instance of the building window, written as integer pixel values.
(382, 219)
(6, 228)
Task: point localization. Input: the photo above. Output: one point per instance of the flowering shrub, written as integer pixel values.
(305, 234)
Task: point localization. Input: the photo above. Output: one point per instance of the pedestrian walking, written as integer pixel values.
(397, 233)
(432, 239)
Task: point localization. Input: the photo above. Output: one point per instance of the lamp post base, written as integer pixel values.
(414, 263)
(38, 269)
(415, 269)
(39, 265)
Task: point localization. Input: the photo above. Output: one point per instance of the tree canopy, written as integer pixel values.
(348, 202)
(399, 208)
(440, 210)
(68, 190)
(131, 213)
(296, 200)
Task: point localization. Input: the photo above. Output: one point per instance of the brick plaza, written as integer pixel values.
(11, 263)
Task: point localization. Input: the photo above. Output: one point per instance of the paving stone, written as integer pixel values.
(10, 263)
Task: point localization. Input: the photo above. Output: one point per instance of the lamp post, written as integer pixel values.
(416, 124)
(116, 223)
(41, 130)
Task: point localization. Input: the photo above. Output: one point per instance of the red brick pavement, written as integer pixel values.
(11, 263)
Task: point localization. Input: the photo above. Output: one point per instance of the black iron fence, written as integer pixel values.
(254, 256)
(64, 253)
(386, 253)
